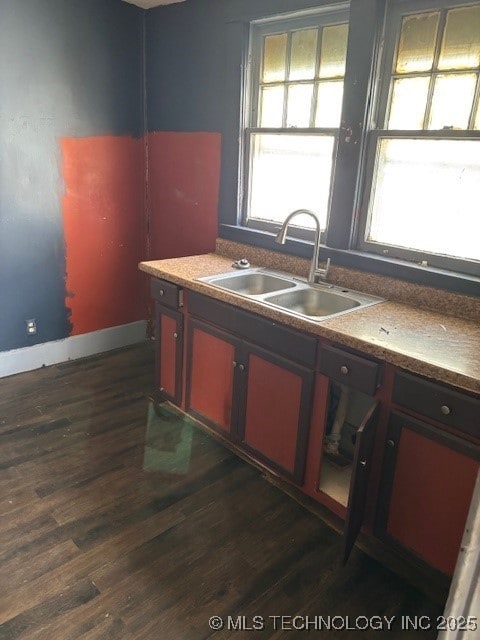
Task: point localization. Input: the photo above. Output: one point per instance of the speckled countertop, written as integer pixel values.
(440, 346)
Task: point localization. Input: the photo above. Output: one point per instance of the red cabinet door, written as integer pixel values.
(359, 481)
(211, 375)
(345, 489)
(428, 482)
(169, 330)
(274, 410)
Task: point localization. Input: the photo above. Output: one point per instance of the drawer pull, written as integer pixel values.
(344, 370)
(445, 410)
(391, 444)
(161, 292)
(241, 367)
(363, 463)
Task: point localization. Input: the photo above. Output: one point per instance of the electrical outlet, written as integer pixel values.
(31, 327)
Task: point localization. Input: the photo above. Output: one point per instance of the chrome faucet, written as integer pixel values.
(314, 272)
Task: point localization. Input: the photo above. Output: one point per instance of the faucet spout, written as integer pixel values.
(282, 235)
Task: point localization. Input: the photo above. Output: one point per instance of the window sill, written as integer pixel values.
(379, 265)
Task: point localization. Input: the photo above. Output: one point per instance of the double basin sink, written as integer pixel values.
(292, 295)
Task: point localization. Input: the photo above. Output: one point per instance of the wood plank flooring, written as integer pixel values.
(118, 522)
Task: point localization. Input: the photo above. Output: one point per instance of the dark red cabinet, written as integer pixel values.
(168, 321)
(359, 481)
(342, 436)
(211, 374)
(275, 411)
(253, 381)
(169, 354)
(427, 484)
(259, 400)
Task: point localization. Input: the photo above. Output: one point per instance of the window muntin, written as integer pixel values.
(425, 170)
(295, 107)
(436, 70)
(297, 67)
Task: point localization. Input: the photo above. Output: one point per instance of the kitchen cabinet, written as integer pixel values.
(310, 411)
(169, 341)
(342, 439)
(259, 399)
(211, 372)
(274, 419)
(428, 472)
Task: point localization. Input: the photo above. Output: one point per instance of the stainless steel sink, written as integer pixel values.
(253, 283)
(292, 295)
(313, 303)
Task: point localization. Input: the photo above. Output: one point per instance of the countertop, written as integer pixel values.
(431, 344)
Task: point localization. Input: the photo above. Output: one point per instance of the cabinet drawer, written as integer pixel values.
(283, 341)
(356, 372)
(166, 293)
(438, 402)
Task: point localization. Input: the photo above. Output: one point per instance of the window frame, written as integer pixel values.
(328, 15)
(365, 54)
(395, 12)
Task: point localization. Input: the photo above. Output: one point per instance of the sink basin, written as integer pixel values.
(252, 284)
(291, 294)
(312, 302)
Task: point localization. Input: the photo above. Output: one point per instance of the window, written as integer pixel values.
(425, 164)
(298, 68)
(368, 115)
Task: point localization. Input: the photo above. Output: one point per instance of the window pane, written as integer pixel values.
(299, 105)
(426, 196)
(271, 107)
(461, 41)
(329, 104)
(274, 51)
(303, 55)
(333, 51)
(409, 99)
(290, 172)
(452, 101)
(417, 43)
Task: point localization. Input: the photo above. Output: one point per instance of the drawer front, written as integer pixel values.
(438, 402)
(166, 293)
(283, 341)
(354, 371)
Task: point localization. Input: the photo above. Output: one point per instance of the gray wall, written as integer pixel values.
(193, 73)
(67, 68)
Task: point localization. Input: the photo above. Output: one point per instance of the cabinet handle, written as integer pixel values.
(234, 364)
(363, 463)
(445, 410)
(175, 335)
(161, 292)
(344, 370)
(391, 444)
(241, 367)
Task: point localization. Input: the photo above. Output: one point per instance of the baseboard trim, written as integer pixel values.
(88, 344)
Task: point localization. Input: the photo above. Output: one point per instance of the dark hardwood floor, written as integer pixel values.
(117, 522)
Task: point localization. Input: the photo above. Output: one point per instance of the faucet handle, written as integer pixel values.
(322, 274)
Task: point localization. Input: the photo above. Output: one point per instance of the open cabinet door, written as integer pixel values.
(362, 463)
